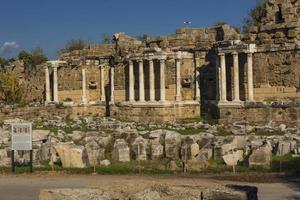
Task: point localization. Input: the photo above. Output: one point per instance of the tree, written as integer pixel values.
(10, 88)
(38, 57)
(33, 59)
(105, 38)
(3, 61)
(71, 45)
(26, 58)
(255, 15)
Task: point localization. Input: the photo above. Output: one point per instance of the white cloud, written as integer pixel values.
(7, 47)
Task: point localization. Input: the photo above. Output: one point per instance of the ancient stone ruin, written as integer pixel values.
(195, 72)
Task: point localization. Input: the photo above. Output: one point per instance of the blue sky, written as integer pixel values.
(49, 24)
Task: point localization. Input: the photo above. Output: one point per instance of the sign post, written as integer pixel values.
(21, 140)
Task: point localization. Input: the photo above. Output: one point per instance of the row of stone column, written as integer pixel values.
(55, 66)
(222, 86)
(141, 80)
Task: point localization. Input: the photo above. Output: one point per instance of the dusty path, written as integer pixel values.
(26, 187)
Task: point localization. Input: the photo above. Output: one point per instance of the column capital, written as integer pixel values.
(234, 53)
(162, 57)
(249, 53)
(101, 66)
(130, 62)
(178, 55)
(161, 60)
(149, 58)
(221, 54)
(140, 60)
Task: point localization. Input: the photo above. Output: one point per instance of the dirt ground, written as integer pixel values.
(27, 187)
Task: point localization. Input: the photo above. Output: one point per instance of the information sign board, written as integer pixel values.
(21, 136)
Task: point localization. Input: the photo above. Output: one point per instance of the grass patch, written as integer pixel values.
(287, 164)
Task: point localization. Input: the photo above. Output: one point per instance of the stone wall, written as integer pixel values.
(262, 115)
(29, 113)
(156, 114)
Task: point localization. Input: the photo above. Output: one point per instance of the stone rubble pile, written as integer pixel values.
(109, 140)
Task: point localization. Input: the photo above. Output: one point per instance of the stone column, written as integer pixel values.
(112, 85)
(102, 83)
(84, 97)
(55, 86)
(131, 80)
(151, 80)
(178, 77)
(162, 81)
(47, 85)
(223, 95)
(236, 76)
(250, 76)
(141, 81)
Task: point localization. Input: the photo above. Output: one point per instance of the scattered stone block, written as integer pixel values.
(121, 151)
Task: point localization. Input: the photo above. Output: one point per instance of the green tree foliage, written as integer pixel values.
(255, 15)
(10, 88)
(105, 38)
(31, 60)
(3, 61)
(26, 57)
(38, 56)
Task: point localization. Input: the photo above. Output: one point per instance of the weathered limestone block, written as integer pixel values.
(292, 33)
(261, 156)
(71, 194)
(41, 153)
(76, 135)
(157, 134)
(40, 135)
(233, 158)
(95, 154)
(238, 142)
(139, 148)
(189, 149)
(72, 156)
(4, 137)
(172, 144)
(4, 159)
(285, 147)
(157, 149)
(105, 163)
(121, 151)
